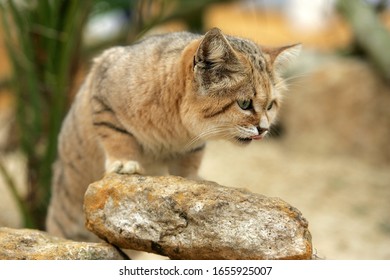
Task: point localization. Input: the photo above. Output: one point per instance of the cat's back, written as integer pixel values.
(152, 51)
(163, 45)
(119, 70)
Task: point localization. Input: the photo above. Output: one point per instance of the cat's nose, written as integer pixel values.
(262, 130)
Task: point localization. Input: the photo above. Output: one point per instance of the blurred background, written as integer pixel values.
(328, 155)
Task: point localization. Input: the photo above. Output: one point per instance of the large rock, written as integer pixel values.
(28, 244)
(184, 219)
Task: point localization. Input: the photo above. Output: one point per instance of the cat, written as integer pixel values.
(149, 108)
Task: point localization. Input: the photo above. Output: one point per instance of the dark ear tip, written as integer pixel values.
(297, 45)
(214, 31)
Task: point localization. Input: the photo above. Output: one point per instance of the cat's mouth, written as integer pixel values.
(245, 140)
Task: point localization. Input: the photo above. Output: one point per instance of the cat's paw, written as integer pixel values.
(124, 167)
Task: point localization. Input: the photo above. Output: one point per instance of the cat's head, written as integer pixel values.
(236, 87)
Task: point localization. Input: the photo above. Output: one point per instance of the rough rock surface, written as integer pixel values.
(184, 219)
(28, 244)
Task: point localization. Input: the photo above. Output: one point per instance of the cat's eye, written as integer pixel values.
(271, 105)
(245, 104)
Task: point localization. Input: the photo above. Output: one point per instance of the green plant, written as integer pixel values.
(43, 40)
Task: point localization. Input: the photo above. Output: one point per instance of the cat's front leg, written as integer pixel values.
(121, 148)
(122, 155)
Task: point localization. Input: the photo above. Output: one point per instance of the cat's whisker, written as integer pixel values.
(207, 134)
(288, 80)
(296, 82)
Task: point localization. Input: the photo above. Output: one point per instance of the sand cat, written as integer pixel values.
(149, 108)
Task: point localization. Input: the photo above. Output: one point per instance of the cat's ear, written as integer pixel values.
(216, 65)
(281, 57)
(214, 51)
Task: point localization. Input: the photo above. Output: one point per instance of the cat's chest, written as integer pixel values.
(168, 150)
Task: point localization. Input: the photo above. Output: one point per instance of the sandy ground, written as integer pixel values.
(345, 201)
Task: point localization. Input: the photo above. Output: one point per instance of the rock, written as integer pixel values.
(185, 219)
(28, 244)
